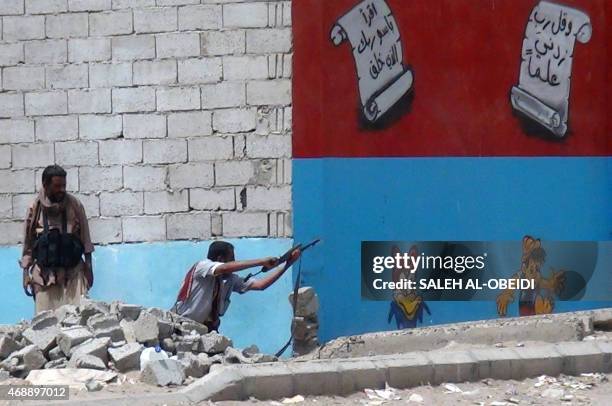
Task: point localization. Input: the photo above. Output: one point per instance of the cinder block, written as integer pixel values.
(539, 360)
(176, 2)
(23, 28)
(212, 199)
(75, 153)
(119, 204)
(165, 151)
(204, 17)
(245, 15)
(287, 14)
(96, 179)
(162, 19)
(178, 98)
(89, 50)
(135, 99)
(110, 75)
(94, 127)
(190, 175)
(234, 173)
(178, 45)
(273, 381)
(17, 181)
(6, 206)
(195, 71)
(120, 152)
(122, 4)
(21, 204)
(11, 54)
(57, 128)
(223, 94)
(287, 66)
(11, 105)
(223, 42)
(23, 78)
(133, 47)
(46, 103)
(210, 148)
(16, 131)
(271, 40)
(239, 146)
(280, 225)
(45, 6)
(245, 224)
(11, 232)
(582, 357)
(91, 204)
(89, 5)
(46, 51)
(140, 178)
(67, 25)
(155, 72)
(273, 198)
(5, 163)
(67, 76)
(144, 126)
(271, 146)
(497, 363)
(269, 92)
(33, 155)
(89, 101)
(192, 124)
(11, 7)
(234, 120)
(315, 378)
(245, 67)
(144, 228)
(166, 202)
(111, 23)
(106, 230)
(186, 226)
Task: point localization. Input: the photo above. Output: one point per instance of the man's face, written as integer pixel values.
(56, 189)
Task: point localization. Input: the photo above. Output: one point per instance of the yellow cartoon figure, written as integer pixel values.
(539, 300)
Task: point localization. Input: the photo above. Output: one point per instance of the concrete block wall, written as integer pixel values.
(172, 117)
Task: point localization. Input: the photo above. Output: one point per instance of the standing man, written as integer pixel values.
(55, 240)
(205, 294)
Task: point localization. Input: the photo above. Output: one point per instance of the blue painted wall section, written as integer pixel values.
(151, 274)
(346, 201)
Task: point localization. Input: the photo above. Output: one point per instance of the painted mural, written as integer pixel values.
(542, 94)
(374, 36)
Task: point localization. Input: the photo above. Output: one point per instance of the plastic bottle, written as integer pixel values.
(151, 354)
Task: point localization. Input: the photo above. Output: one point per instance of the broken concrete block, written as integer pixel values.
(145, 327)
(307, 302)
(166, 328)
(43, 320)
(106, 325)
(4, 375)
(126, 358)
(57, 364)
(214, 343)
(86, 361)
(95, 346)
(65, 311)
(187, 327)
(8, 346)
(129, 311)
(93, 385)
(303, 329)
(250, 350)
(70, 337)
(128, 330)
(190, 343)
(89, 308)
(55, 353)
(29, 358)
(43, 338)
(163, 372)
(168, 345)
(260, 358)
(117, 344)
(193, 365)
(234, 356)
(71, 320)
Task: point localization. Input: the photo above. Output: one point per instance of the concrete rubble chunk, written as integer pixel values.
(126, 358)
(43, 338)
(86, 361)
(145, 328)
(4, 375)
(214, 343)
(56, 353)
(250, 350)
(128, 330)
(117, 344)
(106, 325)
(93, 385)
(168, 345)
(234, 356)
(129, 311)
(89, 308)
(8, 346)
(43, 320)
(166, 328)
(163, 372)
(303, 329)
(95, 346)
(190, 343)
(261, 358)
(70, 337)
(57, 364)
(64, 312)
(186, 327)
(193, 365)
(307, 302)
(29, 358)
(71, 320)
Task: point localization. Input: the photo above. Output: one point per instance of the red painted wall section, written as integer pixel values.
(465, 56)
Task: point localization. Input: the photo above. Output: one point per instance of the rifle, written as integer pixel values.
(285, 257)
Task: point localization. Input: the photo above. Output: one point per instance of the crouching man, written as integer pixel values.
(205, 294)
(55, 241)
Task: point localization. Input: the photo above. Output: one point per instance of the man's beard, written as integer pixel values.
(56, 198)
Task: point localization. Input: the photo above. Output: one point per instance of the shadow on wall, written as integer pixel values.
(150, 274)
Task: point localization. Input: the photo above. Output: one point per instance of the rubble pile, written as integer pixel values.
(305, 324)
(102, 336)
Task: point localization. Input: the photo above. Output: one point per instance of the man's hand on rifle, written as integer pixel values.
(269, 263)
(295, 255)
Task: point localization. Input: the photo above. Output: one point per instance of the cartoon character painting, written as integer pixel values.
(407, 305)
(541, 299)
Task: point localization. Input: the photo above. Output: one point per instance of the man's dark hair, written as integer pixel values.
(219, 249)
(51, 171)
